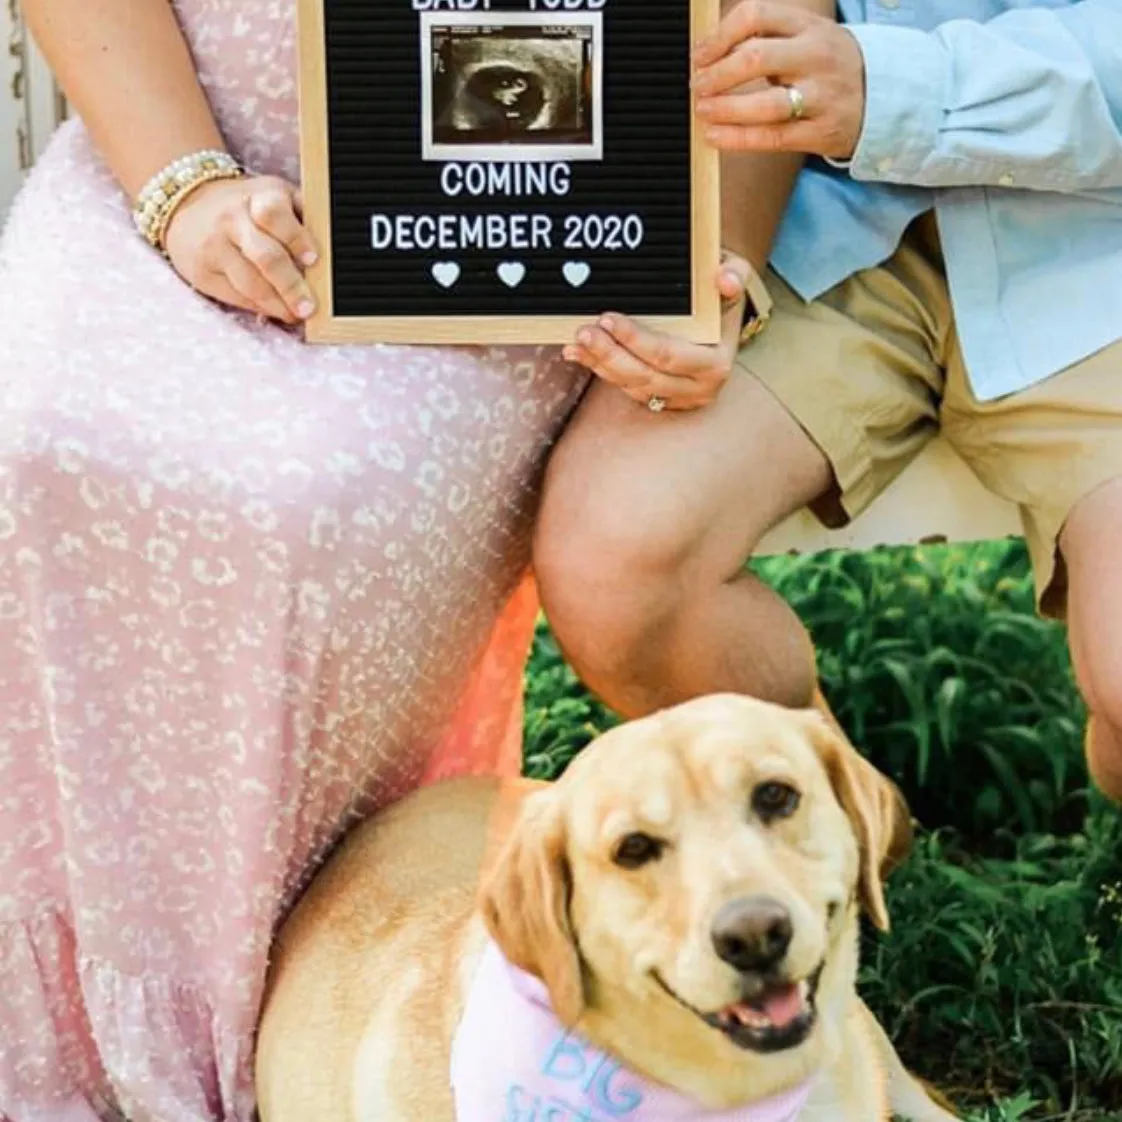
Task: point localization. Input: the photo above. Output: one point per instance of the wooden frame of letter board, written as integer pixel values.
(703, 326)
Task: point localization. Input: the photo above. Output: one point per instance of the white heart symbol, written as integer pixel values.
(446, 273)
(576, 272)
(511, 273)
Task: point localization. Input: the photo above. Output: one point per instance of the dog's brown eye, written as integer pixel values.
(775, 800)
(636, 850)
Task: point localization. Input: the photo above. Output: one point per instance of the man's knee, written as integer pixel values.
(1099, 675)
(1104, 756)
(644, 517)
(1091, 545)
(612, 562)
(1102, 690)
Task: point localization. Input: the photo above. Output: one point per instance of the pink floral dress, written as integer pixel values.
(249, 590)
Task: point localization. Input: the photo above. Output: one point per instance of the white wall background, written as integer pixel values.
(30, 105)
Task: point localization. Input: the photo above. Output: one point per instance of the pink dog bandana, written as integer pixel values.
(513, 1061)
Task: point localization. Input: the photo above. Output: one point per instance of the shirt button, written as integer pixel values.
(884, 165)
(1006, 180)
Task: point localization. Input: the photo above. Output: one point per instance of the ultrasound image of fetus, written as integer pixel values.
(512, 85)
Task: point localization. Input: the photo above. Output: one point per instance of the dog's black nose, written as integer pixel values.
(752, 933)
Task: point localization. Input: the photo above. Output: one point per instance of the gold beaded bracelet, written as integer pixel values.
(180, 197)
(170, 187)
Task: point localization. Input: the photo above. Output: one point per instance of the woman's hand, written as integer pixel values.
(789, 49)
(646, 363)
(242, 242)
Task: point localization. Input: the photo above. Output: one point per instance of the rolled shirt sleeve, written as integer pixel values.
(1030, 99)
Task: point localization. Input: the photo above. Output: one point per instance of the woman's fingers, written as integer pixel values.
(247, 231)
(658, 351)
(275, 211)
(623, 356)
(706, 365)
(648, 364)
(608, 360)
(217, 287)
(731, 280)
(732, 318)
(248, 280)
(273, 261)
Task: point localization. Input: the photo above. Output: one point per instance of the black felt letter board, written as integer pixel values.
(501, 160)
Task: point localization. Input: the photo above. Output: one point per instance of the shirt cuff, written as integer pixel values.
(907, 76)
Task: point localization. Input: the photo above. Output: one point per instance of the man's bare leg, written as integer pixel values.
(646, 524)
(1092, 545)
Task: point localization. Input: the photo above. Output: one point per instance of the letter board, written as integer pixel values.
(505, 170)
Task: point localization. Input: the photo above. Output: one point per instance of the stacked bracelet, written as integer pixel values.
(162, 195)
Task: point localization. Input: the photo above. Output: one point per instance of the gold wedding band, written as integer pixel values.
(798, 103)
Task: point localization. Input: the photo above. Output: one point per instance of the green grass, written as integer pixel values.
(1002, 977)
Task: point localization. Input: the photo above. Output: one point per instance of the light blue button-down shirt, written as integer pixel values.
(1006, 116)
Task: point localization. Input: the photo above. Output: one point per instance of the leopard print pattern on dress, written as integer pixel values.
(249, 591)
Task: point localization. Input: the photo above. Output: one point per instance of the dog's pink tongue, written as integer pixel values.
(782, 1006)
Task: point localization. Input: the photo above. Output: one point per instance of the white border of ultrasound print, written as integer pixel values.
(513, 153)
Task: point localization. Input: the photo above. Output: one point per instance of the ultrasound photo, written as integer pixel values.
(516, 86)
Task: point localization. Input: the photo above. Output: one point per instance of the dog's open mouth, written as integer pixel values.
(779, 1016)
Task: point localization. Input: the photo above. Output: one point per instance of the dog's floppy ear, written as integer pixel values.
(875, 807)
(525, 905)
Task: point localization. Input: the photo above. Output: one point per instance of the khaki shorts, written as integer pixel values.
(872, 371)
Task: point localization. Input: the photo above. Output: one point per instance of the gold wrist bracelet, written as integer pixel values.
(159, 231)
(169, 187)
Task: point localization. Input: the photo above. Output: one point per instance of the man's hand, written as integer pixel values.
(645, 363)
(791, 50)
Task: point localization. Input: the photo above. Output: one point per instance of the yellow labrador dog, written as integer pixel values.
(686, 896)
